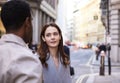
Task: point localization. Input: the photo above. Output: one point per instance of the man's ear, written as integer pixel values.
(27, 22)
(43, 38)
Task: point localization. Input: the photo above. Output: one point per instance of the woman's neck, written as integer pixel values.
(53, 52)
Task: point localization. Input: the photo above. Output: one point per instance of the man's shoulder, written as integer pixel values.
(66, 47)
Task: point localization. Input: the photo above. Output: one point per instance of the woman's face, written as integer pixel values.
(52, 37)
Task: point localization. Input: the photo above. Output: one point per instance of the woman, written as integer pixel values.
(55, 62)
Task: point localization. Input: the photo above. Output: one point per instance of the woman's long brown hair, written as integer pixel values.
(43, 48)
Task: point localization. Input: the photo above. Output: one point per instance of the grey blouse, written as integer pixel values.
(54, 75)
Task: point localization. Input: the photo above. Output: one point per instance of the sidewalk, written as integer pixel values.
(96, 78)
(95, 62)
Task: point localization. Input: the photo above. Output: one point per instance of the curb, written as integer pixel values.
(97, 62)
(87, 78)
(82, 78)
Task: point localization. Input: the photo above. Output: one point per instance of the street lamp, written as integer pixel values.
(108, 46)
(104, 5)
(108, 17)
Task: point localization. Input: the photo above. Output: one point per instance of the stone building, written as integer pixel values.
(111, 19)
(43, 11)
(87, 22)
(114, 24)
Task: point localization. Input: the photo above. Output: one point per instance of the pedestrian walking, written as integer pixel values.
(55, 62)
(102, 47)
(97, 51)
(17, 62)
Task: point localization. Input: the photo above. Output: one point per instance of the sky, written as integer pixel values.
(72, 3)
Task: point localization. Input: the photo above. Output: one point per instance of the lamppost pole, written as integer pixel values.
(108, 30)
(108, 46)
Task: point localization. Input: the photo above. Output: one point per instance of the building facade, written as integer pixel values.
(114, 23)
(111, 19)
(87, 19)
(43, 11)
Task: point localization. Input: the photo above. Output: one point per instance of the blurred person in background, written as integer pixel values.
(67, 51)
(102, 47)
(97, 50)
(17, 62)
(54, 60)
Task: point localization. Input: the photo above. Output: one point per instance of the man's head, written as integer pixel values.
(16, 18)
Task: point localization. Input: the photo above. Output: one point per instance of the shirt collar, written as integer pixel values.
(13, 39)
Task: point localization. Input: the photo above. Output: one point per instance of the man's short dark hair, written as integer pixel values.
(14, 13)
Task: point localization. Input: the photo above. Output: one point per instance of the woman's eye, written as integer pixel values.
(48, 34)
(55, 33)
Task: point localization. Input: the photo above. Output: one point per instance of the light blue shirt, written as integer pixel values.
(54, 75)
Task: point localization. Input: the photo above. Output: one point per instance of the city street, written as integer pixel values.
(80, 60)
(81, 23)
(87, 67)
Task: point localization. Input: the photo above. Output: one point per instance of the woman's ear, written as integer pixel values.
(43, 38)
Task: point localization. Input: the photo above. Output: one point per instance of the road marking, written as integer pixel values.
(90, 60)
(80, 79)
(89, 80)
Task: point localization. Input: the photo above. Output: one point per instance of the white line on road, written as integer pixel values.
(80, 79)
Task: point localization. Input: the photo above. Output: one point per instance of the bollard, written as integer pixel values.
(102, 63)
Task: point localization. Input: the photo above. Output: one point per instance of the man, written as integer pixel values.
(17, 62)
(67, 51)
(102, 47)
